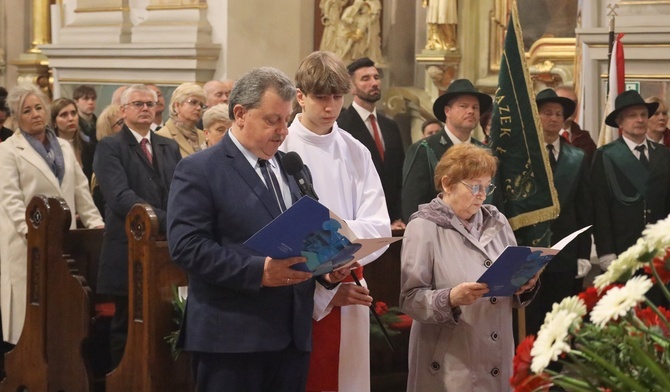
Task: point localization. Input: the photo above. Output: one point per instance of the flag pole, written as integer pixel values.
(611, 13)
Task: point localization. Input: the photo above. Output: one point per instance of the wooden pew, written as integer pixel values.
(48, 356)
(146, 364)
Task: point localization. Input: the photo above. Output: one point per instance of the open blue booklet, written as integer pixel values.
(517, 264)
(311, 230)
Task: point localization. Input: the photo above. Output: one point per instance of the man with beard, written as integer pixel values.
(459, 108)
(378, 133)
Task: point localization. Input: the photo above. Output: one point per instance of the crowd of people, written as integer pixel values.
(214, 175)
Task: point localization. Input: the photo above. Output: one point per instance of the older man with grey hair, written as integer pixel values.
(132, 166)
(248, 317)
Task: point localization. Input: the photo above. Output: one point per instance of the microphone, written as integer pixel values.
(294, 167)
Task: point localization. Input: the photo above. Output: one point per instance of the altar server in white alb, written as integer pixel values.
(345, 180)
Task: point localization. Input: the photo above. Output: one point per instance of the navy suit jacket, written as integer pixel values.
(217, 201)
(126, 178)
(389, 169)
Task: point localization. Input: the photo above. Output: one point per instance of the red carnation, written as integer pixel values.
(662, 266)
(381, 308)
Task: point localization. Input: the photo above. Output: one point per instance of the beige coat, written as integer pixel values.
(170, 131)
(470, 348)
(24, 175)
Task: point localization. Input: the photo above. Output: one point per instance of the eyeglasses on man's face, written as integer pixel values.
(477, 189)
(140, 104)
(195, 102)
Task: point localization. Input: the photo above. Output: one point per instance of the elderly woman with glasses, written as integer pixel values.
(33, 161)
(460, 340)
(216, 122)
(186, 106)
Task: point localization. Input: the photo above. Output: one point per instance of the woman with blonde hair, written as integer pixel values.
(33, 161)
(657, 126)
(109, 122)
(186, 106)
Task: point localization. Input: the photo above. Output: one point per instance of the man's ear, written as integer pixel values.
(239, 111)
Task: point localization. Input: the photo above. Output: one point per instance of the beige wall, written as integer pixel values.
(280, 35)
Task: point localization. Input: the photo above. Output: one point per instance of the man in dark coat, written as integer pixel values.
(378, 133)
(630, 179)
(459, 108)
(132, 166)
(564, 275)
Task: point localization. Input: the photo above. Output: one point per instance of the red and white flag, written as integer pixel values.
(617, 79)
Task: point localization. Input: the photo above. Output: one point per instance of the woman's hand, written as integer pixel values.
(530, 285)
(467, 293)
(340, 274)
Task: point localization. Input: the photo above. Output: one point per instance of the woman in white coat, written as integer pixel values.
(460, 340)
(32, 161)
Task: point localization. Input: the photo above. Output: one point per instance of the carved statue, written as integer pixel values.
(330, 18)
(356, 32)
(441, 21)
(374, 32)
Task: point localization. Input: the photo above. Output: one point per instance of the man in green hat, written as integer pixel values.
(563, 277)
(630, 179)
(459, 108)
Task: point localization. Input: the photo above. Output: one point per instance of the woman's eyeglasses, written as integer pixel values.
(195, 102)
(477, 189)
(119, 123)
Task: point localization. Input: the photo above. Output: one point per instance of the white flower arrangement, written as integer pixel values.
(623, 344)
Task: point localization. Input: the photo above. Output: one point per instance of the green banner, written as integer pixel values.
(524, 174)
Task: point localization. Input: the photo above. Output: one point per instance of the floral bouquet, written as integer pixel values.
(611, 337)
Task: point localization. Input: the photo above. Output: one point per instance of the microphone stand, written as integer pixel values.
(376, 316)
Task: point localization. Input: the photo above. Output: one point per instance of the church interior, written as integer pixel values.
(58, 45)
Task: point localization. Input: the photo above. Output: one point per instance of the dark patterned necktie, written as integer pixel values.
(271, 183)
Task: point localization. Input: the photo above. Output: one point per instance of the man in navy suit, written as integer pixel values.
(132, 166)
(248, 318)
(376, 132)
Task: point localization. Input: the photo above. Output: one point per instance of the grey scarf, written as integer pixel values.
(51, 152)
